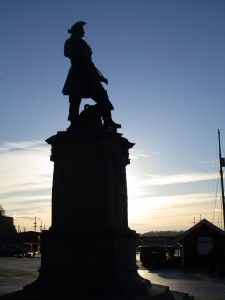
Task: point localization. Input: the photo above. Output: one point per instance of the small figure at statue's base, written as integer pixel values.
(91, 118)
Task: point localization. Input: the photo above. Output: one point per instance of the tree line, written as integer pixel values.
(162, 233)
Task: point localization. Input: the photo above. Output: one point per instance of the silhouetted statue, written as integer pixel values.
(84, 79)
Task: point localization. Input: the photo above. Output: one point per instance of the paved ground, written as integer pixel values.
(195, 283)
(18, 272)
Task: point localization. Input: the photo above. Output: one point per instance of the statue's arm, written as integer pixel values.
(68, 49)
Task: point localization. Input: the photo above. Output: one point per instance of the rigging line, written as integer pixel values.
(215, 191)
(219, 224)
(215, 201)
(221, 214)
(215, 182)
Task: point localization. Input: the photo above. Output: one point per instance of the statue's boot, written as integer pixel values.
(74, 120)
(108, 122)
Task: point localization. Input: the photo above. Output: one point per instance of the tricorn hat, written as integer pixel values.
(76, 27)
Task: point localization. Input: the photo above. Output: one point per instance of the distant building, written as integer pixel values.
(196, 243)
(8, 234)
(30, 239)
(7, 227)
(27, 237)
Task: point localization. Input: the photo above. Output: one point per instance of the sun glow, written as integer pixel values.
(147, 209)
(25, 182)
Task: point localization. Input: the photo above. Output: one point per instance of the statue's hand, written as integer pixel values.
(105, 80)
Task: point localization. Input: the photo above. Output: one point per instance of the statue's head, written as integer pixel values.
(77, 28)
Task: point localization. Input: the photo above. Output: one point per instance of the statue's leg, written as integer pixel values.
(108, 122)
(102, 99)
(74, 108)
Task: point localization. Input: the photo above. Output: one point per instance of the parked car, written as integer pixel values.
(12, 249)
(156, 255)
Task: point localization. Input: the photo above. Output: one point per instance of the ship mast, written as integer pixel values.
(222, 164)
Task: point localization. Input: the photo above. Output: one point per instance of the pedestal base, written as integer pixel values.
(155, 292)
(101, 263)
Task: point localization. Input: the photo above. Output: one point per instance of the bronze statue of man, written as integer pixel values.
(84, 79)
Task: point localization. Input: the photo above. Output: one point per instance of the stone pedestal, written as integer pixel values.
(89, 182)
(89, 249)
(89, 253)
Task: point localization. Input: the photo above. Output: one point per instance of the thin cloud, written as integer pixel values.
(177, 178)
(26, 192)
(35, 145)
(138, 154)
(143, 188)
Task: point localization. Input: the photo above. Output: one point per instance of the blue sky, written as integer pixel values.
(165, 62)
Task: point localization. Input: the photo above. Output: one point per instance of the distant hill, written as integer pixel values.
(162, 233)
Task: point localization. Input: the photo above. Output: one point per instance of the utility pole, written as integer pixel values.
(35, 224)
(222, 164)
(41, 227)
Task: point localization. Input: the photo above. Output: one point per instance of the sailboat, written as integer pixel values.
(222, 164)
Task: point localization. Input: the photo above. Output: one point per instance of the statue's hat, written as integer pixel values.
(76, 27)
